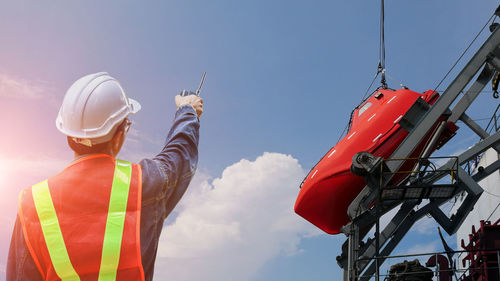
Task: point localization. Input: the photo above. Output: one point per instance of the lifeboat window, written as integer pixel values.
(364, 108)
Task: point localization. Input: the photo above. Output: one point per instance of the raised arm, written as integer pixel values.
(178, 159)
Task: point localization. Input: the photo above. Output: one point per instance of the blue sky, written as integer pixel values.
(282, 77)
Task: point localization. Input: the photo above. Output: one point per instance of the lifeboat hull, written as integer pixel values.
(330, 187)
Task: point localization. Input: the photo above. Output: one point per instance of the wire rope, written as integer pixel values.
(381, 68)
(493, 212)
(465, 51)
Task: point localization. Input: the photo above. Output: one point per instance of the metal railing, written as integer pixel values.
(422, 169)
(456, 273)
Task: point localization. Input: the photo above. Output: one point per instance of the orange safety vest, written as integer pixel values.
(84, 224)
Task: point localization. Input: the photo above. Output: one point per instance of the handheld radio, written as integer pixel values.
(187, 92)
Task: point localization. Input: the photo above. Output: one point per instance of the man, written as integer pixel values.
(101, 218)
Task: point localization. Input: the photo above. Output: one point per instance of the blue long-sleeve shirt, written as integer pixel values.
(165, 178)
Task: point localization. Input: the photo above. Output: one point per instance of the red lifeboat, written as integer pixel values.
(330, 186)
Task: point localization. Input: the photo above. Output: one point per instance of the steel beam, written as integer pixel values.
(488, 170)
(469, 97)
(406, 217)
(444, 102)
(475, 150)
(474, 126)
(363, 218)
(370, 248)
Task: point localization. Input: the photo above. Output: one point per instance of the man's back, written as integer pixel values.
(82, 201)
(93, 211)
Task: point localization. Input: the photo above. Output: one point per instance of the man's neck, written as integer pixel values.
(78, 156)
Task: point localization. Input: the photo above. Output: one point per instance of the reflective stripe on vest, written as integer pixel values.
(52, 232)
(116, 219)
(112, 236)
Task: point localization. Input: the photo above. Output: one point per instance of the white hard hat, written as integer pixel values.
(93, 107)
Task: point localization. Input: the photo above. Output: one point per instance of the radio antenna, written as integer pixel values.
(201, 83)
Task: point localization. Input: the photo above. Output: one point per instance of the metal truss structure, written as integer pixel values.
(361, 260)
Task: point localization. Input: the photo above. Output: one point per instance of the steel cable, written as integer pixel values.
(465, 51)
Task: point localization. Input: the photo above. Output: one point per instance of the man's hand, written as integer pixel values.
(195, 101)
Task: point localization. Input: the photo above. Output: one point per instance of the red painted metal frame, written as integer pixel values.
(483, 261)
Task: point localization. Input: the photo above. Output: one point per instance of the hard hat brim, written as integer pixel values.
(135, 106)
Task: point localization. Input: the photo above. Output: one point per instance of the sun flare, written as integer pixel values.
(3, 172)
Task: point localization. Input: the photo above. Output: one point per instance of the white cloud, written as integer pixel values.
(136, 136)
(17, 173)
(139, 145)
(228, 228)
(13, 169)
(20, 88)
(426, 225)
(430, 247)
